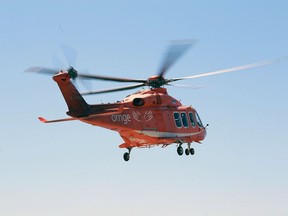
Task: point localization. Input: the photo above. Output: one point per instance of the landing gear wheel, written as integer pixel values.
(126, 156)
(187, 151)
(180, 150)
(192, 151)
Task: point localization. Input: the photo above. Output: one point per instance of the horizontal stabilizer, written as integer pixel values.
(56, 120)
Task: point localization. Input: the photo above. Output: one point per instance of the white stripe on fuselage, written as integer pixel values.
(165, 134)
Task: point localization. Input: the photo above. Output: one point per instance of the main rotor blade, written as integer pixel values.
(173, 53)
(42, 70)
(233, 69)
(108, 78)
(113, 89)
(50, 71)
(186, 86)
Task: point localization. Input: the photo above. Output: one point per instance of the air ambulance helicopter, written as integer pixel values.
(149, 117)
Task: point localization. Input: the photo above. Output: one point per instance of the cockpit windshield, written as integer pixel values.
(199, 122)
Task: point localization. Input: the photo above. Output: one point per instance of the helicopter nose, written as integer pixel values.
(205, 131)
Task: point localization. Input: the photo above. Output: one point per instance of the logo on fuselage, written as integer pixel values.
(125, 118)
(147, 116)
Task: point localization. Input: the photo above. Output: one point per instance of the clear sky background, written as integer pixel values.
(75, 169)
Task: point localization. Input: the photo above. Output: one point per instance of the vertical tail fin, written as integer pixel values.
(76, 104)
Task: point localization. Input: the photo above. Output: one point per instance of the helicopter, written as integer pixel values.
(144, 119)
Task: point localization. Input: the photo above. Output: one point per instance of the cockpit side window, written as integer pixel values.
(199, 122)
(177, 119)
(192, 120)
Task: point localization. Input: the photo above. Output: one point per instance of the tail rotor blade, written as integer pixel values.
(57, 62)
(70, 54)
(87, 83)
(42, 70)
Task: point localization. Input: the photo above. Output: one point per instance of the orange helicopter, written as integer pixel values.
(147, 118)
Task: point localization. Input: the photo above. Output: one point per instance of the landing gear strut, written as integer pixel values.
(189, 150)
(126, 155)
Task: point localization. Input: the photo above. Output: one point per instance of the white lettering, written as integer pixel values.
(121, 118)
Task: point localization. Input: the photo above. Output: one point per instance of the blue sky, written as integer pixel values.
(72, 168)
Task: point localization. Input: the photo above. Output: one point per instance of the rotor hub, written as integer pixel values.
(156, 81)
(72, 73)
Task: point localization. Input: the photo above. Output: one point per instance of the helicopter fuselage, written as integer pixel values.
(148, 117)
(143, 119)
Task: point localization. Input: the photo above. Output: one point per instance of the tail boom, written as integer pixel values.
(77, 106)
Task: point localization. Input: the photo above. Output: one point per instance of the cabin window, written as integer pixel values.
(184, 119)
(177, 119)
(199, 122)
(192, 120)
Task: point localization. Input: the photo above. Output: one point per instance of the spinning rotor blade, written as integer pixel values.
(229, 70)
(71, 57)
(70, 54)
(113, 89)
(186, 86)
(174, 52)
(108, 78)
(83, 76)
(42, 70)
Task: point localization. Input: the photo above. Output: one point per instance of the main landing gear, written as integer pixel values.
(180, 151)
(188, 151)
(126, 155)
